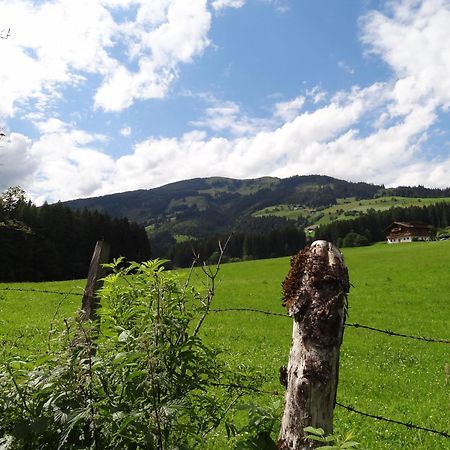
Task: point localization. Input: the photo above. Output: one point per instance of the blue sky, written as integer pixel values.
(103, 96)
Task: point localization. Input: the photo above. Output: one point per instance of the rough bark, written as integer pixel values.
(315, 294)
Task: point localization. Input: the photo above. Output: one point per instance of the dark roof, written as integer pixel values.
(411, 225)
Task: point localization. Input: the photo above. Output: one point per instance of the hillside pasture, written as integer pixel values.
(404, 288)
(345, 209)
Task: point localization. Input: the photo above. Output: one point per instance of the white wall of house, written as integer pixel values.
(402, 239)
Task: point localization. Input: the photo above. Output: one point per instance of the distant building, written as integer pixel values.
(399, 232)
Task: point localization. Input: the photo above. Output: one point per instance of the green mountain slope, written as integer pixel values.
(344, 209)
(200, 206)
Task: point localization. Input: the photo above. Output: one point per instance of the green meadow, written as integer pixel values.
(403, 288)
(345, 209)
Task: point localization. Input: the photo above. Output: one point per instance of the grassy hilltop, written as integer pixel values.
(404, 288)
(345, 208)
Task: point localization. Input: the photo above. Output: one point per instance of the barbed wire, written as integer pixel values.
(409, 425)
(255, 310)
(41, 291)
(393, 333)
(245, 388)
(260, 311)
(353, 325)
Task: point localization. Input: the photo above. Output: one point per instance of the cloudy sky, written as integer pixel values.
(103, 96)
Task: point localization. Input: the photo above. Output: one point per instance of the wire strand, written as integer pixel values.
(353, 325)
(409, 425)
(40, 291)
(397, 422)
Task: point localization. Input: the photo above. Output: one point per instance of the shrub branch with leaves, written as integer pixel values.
(143, 379)
(332, 441)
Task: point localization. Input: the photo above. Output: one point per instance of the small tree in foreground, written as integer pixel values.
(143, 379)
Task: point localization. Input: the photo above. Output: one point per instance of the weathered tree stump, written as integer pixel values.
(315, 294)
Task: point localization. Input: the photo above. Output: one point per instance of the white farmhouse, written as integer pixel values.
(399, 232)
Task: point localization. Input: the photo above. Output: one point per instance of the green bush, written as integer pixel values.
(353, 239)
(142, 379)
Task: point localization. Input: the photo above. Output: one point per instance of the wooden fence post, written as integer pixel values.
(315, 294)
(89, 304)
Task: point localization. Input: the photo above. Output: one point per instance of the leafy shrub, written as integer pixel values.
(142, 379)
(262, 422)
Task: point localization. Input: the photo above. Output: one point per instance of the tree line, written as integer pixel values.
(240, 246)
(54, 242)
(371, 227)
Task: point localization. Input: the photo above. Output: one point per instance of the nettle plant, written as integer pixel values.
(139, 378)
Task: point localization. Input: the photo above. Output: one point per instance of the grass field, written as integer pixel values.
(345, 209)
(404, 288)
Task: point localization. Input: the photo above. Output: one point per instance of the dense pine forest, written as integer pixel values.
(240, 246)
(54, 242)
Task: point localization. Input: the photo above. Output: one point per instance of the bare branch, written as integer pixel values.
(5, 33)
(210, 284)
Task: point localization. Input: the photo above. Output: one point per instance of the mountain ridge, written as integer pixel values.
(212, 186)
(198, 207)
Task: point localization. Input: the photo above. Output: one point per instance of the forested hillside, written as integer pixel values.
(195, 214)
(54, 242)
(202, 206)
(371, 226)
(265, 217)
(240, 246)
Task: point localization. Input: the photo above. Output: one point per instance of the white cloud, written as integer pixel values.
(228, 117)
(221, 4)
(54, 44)
(290, 109)
(377, 133)
(316, 94)
(325, 141)
(64, 163)
(322, 141)
(50, 45)
(125, 131)
(281, 6)
(17, 164)
(158, 43)
(68, 163)
(414, 40)
(342, 65)
(52, 126)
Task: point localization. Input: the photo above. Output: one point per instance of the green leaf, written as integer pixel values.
(123, 337)
(119, 357)
(17, 364)
(315, 431)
